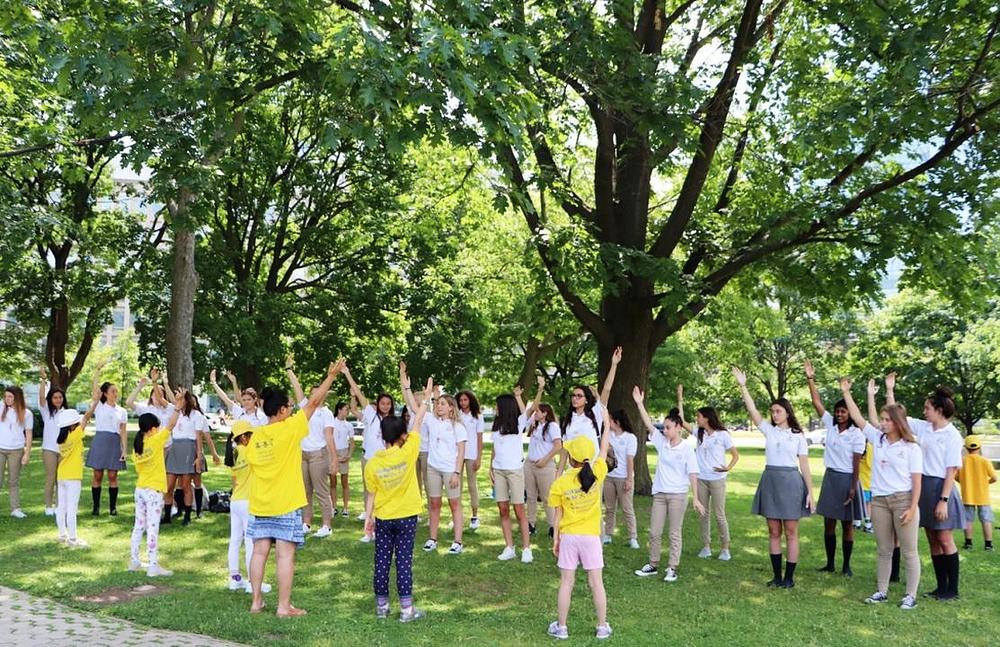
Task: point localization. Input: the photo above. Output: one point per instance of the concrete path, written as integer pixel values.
(26, 620)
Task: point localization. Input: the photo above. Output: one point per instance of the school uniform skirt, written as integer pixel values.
(181, 456)
(836, 488)
(930, 494)
(781, 494)
(105, 452)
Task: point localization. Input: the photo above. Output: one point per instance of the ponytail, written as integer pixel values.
(104, 393)
(230, 459)
(137, 445)
(64, 433)
(586, 476)
(147, 422)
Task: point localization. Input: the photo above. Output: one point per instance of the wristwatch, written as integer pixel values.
(945, 499)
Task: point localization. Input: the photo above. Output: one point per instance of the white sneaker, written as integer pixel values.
(724, 555)
(606, 539)
(557, 631)
(474, 523)
(705, 553)
(155, 570)
(410, 615)
(236, 583)
(324, 531)
(344, 513)
(136, 565)
(264, 587)
(173, 510)
(305, 529)
(671, 575)
(526, 556)
(908, 603)
(603, 631)
(50, 512)
(77, 543)
(430, 545)
(64, 540)
(367, 539)
(507, 554)
(456, 548)
(361, 517)
(17, 514)
(633, 543)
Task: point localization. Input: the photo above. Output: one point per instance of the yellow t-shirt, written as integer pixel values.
(150, 465)
(241, 474)
(974, 477)
(275, 458)
(71, 457)
(391, 475)
(865, 469)
(581, 510)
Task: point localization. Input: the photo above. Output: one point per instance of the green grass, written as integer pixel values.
(474, 599)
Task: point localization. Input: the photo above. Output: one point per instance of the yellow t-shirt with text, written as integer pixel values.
(391, 475)
(241, 475)
(71, 457)
(581, 510)
(275, 457)
(974, 478)
(865, 468)
(151, 464)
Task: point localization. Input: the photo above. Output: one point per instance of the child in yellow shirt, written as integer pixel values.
(975, 477)
(69, 474)
(149, 457)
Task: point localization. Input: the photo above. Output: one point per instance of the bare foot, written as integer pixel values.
(292, 612)
(257, 609)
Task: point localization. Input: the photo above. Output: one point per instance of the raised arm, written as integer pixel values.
(406, 387)
(168, 394)
(418, 416)
(95, 397)
(538, 396)
(518, 392)
(317, 398)
(362, 400)
(41, 388)
(890, 388)
(680, 409)
(639, 398)
(605, 439)
(294, 379)
(130, 400)
(817, 401)
(872, 407)
(852, 407)
(609, 381)
(218, 391)
(741, 380)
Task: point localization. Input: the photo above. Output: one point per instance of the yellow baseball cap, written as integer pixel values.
(240, 427)
(972, 442)
(580, 449)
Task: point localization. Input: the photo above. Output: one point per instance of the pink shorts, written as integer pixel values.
(580, 549)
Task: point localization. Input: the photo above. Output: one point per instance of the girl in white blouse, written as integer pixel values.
(108, 449)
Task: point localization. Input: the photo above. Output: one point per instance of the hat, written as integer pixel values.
(68, 418)
(972, 442)
(240, 427)
(580, 449)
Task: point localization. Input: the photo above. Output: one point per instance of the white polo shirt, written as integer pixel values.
(711, 453)
(623, 445)
(109, 418)
(474, 427)
(443, 437)
(942, 447)
(893, 464)
(782, 447)
(841, 446)
(674, 465)
(12, 430)
(543, 437)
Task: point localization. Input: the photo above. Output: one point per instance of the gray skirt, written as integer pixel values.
(180, 457)
(781, 494)
(836, 488)
(930, 494)
(105, 452)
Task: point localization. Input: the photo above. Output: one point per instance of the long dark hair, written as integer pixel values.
(392, 406)
(714, 423)
(793, 422)
(230, 459)
(64, 433)
(53, 409)
(586, 476)
(272, 400)
(104, 392)
(505, 421)
(588, 409)
(620, 417)
(190, 404)
(473, 402)
(392, 428)
(147, 421)
(550, 417)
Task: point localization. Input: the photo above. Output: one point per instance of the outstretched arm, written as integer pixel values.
(218, 391)
(680, 408)
(609, 381)
(405, 386)
(872, 407)
(748, 402)
(890, 388)
(95, 397)
(362, 400)
(538, 396)
(605, 440)
(294, 379)
(167, 393)
(852, 407)
(317, 398)
(519, 397)
(41, 388)
(639, 398)
(418, 416)
(130, 400)
(817, 401)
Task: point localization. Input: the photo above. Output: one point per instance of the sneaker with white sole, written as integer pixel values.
(603, 631)
(474, 523)
(671, 575)
(411, 614)
(876, 598)
(382, 613)
(63, 540)
(236, 583)
(909, 602)
(50, 512)
(361, 517)
(558, 631)
(724, 555)
(646, 571)
(705, 552)
(344, 513)
(430, 544)
(526, 556)
(264, 587)
(456, 548)
(324, 531)
(367, 539)
(155, 570)
(606, 539)
(306, 528)
(633, 543)
(77, 543)
(135, 565)
(18, 514)
(508, 554)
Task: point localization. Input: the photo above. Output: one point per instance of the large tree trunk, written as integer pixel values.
(529, 369)
(184, 284)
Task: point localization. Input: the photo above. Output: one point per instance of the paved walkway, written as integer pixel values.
(27, 620)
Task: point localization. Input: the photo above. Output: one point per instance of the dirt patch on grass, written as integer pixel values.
(121, 596)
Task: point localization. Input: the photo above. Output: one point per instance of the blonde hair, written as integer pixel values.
(455, 411)
(897, 413)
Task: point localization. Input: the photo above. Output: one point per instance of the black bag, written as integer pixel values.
(218, 502)
(611, 460)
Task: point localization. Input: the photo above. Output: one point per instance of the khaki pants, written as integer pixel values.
(537, 482)
(470, 475)
(12, 459)
(316, 477)
(614, 492)
(716, 490)
(885, 511)
(51, 461)
(667, 508)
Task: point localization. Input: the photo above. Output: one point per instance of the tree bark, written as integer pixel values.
(529, 369)
(184, 284)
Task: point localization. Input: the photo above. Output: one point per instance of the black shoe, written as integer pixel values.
(826, 569)
(936, 593)
(775, 583)
(95, 513)
(968, 545)
(113, 512)
(787, 584)
(847, 572)
(552, 533)
(531, 529)
(947, 597)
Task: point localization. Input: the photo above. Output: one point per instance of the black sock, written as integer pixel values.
(198, 495)
(989, 544)
(939, 573)
(831, 548)
(968, 542)
(894, 573)
(166, 516)
(95, 493)
(952, 562)
(187, 514)
(179, 500)
(776, 566)
(113, 499)
(790, 572)
(848, 549)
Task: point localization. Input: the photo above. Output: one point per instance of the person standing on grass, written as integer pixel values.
(108, 448)
(975, 478)
(245, 403)
(676, 475)
(149, 458)
(784, 494)
(371, 419)
(343, 443)
(619, 486)
(587, 408)
(160, 397)
(16, 423)
(447, 440)
(319, 459)
(392, 505)
(468, 406)
(544, 444)
(507, 469)
(575, 498)
(239, 506)
(941, 509)
(70, 426)
(185, 458)
(839, 498)
(896, 483)
(50, 403)
(713, 442)
(277, 493)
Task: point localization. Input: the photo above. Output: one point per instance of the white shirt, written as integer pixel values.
(162, 413)
(782, 447)
(474, 427)
(623, 445)
(542, 439)
(841, 446)
(12, 430)
(256, 419)
(342, 433)
(893, 464)
(109, 418)
(508, 449)
(942, 447)
(321, 418)
(443, 437)
(188, 425)
(371, 440)
(711, 453)
(674, 465)
(50, 432)
(580, 425)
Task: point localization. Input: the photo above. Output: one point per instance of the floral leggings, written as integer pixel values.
(148, 508)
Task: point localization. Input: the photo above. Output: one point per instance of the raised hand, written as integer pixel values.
(846, 384)
(616, 356)
(290, 362)
(211, 376)
(638, 395)
(518, 390)
(810, 371)
(872, 387)
(541, 381)
(890, 381)
(741, 377)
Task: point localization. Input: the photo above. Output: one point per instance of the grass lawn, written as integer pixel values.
(473, 599)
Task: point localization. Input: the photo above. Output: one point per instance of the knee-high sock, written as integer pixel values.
(198, 495)
(113, 499)
(95, 493)
(940, 574)
(952, 566)
(848, 549)
(790, 571)
(776, 566)
(830, 541)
